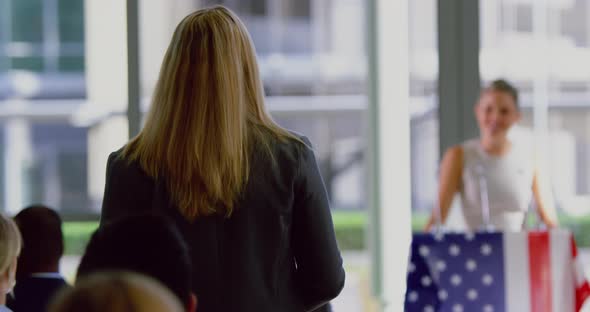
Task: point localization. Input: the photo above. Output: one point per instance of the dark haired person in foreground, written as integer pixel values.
(145, 244)
(37, 276)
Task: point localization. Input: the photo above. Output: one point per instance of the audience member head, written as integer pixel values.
(146, 244)
(116, 292)
(207, 114)
(43, 245)
(10, 246)
(497, 110)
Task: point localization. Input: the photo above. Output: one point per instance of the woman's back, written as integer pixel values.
(277, 251)
(245, 192)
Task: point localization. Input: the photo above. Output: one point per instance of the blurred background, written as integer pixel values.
(63, 98)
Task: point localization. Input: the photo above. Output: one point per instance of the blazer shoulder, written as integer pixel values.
(118, 161)
(119, 167)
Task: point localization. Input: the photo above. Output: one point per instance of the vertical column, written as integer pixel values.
(113, 63)
(541, 84)
(320, 21)
(52, 194)
(320, 28)
(133, 70)
(51, 35)
(276, 16)
(5, 33)
(458, 81)
(157, 21)
(5, 37)
(17, 158)
(106, 84)
(389, 150)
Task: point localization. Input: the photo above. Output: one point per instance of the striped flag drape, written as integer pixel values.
(491, 272)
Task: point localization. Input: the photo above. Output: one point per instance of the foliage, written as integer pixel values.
(350, 228)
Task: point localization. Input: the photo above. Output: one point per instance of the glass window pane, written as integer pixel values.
(254, 7)
(58, 170)
(73, 181)
(27, 63)
(304, 76)
(555, 90)
(524, 18)
(298, 8)
(71, 64)
(423, 108)
(42, 161)
(71, 20)
(312, 59)
(27, 20)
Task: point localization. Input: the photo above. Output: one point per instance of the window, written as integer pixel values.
(423, 108)
(316, 89)
(524, 18)
(298, 8)
(249, 7)
(43, 155)
(554, 86)
(46, 36)
(27, 21)
(71, 21)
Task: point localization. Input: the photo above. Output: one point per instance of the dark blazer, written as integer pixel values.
(277, 252)
(33, 294)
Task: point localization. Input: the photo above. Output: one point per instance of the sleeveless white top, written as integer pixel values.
(509, 180)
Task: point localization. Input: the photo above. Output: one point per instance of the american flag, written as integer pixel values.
(495, 272)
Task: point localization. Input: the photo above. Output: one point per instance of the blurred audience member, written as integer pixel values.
(37, 276)
(10, 246)
(116, 292)
(147, 244)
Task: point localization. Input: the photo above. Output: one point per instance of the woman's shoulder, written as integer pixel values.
(119, 163)
(301, 141)
(290, 142)
(117, 155)
(117, 159)
(454, 152)
(459, 150)
(302, 147)
(470, 144)
(289, 150)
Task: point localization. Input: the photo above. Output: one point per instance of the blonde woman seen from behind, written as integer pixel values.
(116, 292)
(10, 246)
(245, 193)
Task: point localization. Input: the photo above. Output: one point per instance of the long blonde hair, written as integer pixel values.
(10, 243)
(207, 114)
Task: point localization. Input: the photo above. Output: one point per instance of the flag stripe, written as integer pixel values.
(516, 263)
(562, 273)
(540, 272)
(582, 294)
(582, 286)
(511, 272)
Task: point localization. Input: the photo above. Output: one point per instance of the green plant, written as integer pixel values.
(580, 227)
(76, 236)
(349, 227)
